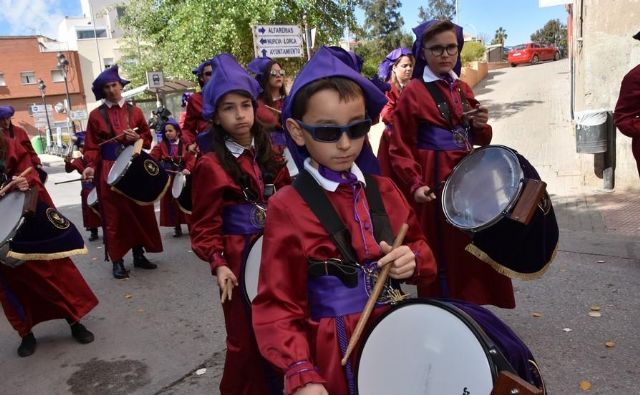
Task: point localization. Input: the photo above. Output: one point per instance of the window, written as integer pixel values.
(28, 77)
(2, 81)
(57, 75)
(108, 62)
(86, 34)
(120, 12)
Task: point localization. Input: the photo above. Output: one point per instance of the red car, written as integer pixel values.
(532, 53)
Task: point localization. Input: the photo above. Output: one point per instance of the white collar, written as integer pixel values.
(235, 148)
(110, 104)
(429, 76)
(327, 184)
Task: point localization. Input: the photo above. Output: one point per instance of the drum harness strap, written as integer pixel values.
(443, 107)
(346, 268)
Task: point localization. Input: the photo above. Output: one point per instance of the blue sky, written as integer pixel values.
(519, 18)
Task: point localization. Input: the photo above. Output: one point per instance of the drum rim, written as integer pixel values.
(11, 234)
(243, 269)
(93, 191)
(126, 167)
(183, 178)
(500, 215)
(485, 342)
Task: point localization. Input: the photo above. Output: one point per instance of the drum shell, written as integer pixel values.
(517, 250)
(251, 270)
(183, 198)
(143, 181)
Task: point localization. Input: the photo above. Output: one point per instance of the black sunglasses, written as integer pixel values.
(208, 73)
(332, 133)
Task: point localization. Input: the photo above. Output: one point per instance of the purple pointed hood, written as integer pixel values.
(227, 76)
(258, 67)
(107, 76)
(6, 112)
(384, 69)
(421, 63)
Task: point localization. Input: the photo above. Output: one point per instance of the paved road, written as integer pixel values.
(156, 329)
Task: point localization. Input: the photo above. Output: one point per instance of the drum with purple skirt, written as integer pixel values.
(93, 202)
(432, 347)
(251, 271)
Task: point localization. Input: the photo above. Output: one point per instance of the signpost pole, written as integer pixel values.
(306, 34)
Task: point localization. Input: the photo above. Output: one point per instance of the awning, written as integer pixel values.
(170, 87)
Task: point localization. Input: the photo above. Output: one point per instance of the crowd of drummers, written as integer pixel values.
(308, 233)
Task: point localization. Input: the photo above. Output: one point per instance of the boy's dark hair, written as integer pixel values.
(264, 82)
(437, 28)
(347, 89)
(267, 161)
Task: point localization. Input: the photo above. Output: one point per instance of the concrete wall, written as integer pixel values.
(474, 72)
(604, 52)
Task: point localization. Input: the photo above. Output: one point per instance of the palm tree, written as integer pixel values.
(500, 37)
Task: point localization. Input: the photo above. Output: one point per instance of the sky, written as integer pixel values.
(520, 18)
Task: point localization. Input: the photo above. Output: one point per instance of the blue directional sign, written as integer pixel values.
(278, 41)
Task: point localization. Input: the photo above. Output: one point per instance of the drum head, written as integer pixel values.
(92, 197)
(120, 165)
(179, 181)
(482, 187)
(11, 207)
(420, 348)
(252, 270)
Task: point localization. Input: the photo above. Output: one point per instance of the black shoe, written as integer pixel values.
(142, 262)
(119, 271)
(177, 231)
(81, 334)
(27, 346)
(94, 234)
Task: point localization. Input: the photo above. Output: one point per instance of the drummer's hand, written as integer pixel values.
(225, 274)
(424, 195)
(67, 159)
(88, 173)
(186, 172)
(21, 183)
(480, 118)
(402, 261)
(312, 389)
(193, 148)
(131, 135)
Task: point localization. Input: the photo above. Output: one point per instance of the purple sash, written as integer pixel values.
(278, 138)
(242, 219)
(110, 151)
(436, 138)
(87, 185)
(329, 297)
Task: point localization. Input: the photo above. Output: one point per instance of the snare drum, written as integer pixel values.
(92, 201)
(12, 207)
(251, 271)
(138, 177)
(181, 191)
(481, 196)
(448, 351)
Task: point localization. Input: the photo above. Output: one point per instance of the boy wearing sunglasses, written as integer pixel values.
(194, 122)
(315, 277)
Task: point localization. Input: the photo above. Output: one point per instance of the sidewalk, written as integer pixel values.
(51, 160)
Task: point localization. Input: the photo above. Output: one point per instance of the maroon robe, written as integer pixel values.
(193, 121)
(213, 191)
(287, 335)
(383, 149)
(90, 220)
(170, 213)
(467, 277)
(21, 136)
(267, 116)
(627, 114)
(38, 291)
(126, 224)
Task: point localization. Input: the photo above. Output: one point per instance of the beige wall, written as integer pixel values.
(604, 52)
(109, 48)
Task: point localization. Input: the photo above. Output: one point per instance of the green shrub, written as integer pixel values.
(472, 51)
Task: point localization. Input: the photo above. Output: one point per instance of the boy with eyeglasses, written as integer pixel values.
(314, 282)
(437, 121)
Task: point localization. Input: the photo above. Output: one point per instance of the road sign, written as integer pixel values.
(278, 41)
(37, 108)
(155, 79)
(78, 115)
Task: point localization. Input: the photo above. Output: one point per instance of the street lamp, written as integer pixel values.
(42, 88)
(63, 65)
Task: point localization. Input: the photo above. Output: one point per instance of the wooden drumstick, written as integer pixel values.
(10, 185)
(273, 109)
(115, 137)
(373, 298)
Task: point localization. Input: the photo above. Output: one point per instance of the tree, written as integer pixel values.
(176, 35)
(500, 36)
(383, 22)
(554, 32)
(437, 9)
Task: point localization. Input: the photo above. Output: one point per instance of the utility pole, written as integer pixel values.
(42, 88)
(307, 36)
(63, 65)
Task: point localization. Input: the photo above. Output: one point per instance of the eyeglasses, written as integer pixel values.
(333, 133)
(275, 73)
(438, 50)
(208, 73)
